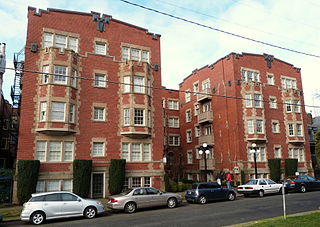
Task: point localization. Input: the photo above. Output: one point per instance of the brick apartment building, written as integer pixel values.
(83, 107)
(239, 100)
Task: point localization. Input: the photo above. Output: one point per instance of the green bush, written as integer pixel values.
(275, 169)
(291, 166)
(174, 187)
(317, 148)
(117, 174)
(243, 177)
(28, 171)
(167, 185)
(82, 169)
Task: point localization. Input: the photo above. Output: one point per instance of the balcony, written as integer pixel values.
(55, 128)
(206, 117)
(210, 164)
(204, 95)
(136, 132)
(208, 139)
(296, 140)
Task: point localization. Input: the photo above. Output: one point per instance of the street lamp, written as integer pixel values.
(204, 150)
(255, 151)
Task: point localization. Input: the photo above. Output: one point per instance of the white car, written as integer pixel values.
(260, 187)
(51, 205)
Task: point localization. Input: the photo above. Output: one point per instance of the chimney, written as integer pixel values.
(2, 58)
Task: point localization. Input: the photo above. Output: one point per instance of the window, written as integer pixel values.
(291, 129)
(173, 105)
(40, 186)
(57, 111)
(138, 84)
(73, 79)
(273, 103)
(145, 56)
(206, 84)
(296, 106)
(73, 44)
(135, 54)
(188, 116)
(125, 53)
(126, 117)
(195, 88)
(41, 150)
(43, 111)
(97, 149)
(100, 48)
(250, 76)
(173, 122)
(275, 127)
(136, 152)
(54, 151)
(197, 131)
(53, 185)
(206, 107)
(174, 140)
(147, 182)
(270, 79)
(248, 100)
(297, 153)
(277, 152)
(45, 77)
(187, 96)
(61, 41)
(60, 73)
(149, 88)
(98, 113)
(288, 106)
(67, 186)
(259, 126)
(68, 151)
(189, 136)
(207, 130)
(257, 100)
(299, 130)
(139, 116)
(189, 157)
(47, 39)
(136, 182)
(196, 109)
(72, 113)
(99, 80)
(126, 84)
(288, 83)
(250, 127)
(260, 156)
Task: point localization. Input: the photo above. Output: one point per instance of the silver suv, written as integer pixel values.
(52, 205)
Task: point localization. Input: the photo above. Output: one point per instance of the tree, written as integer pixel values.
(117, 174)
(317, 148)
(82, 169)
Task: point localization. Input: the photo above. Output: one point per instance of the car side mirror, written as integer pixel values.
(160, 193)
(79, 200)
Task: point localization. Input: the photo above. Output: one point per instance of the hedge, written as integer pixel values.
(275, 169)
(167, 184)
(291, 166)
(82, 169)
(28, 171)
(117, 174)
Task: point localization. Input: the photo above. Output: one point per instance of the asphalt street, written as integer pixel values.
(212, 214)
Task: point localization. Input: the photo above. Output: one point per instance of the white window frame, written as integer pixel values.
(299, 128)
(43, 111)
(248, 100)
(139, 84)
(135, 54)
(60, 41)
(270, 79)
(273, 103)
(173, 104)
(257, 100)
(173, 122)
(250, 126)
(72, 113)
(291, 129)
(189, 157)
(296, 106)
(60, 74)
(126, 117)
(55, 151)
(99, 80)
(73, 78)
(100, 48)
(197, 131)
(47, 39)
(45, 77)
(62, 112)
(99, 113)
(126, 84)
(125, 53)
(277, 152)
(188, 115)
(187, 95)
(189, 136)
(98, 149)
(139, 117)
(259, 126)
(275, 127)
(174, 140)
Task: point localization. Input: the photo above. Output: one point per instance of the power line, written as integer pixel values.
(161, 88)
(222, 31)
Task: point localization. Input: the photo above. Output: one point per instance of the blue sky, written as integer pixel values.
(184, 47)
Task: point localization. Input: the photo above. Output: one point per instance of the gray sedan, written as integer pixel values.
(132, 199)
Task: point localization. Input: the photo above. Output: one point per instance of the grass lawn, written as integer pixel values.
(11, 212)
(307, 220)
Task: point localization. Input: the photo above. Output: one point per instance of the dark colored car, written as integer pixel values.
(204, 192)
(302, 183)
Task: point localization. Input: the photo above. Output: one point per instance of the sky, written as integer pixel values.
(292, 24)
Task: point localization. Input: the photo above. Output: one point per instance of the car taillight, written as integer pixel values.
(292, 182)
(113, 201)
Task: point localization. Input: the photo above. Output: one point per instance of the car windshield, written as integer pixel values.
(194, 186)
(126, 191)
(252, 182)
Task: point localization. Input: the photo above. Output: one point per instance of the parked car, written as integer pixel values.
(143, 197)
(52, 205)
(302, 183)
(203, 192)
(260, 187)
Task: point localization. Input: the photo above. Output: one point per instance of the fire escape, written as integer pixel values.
(17, 86)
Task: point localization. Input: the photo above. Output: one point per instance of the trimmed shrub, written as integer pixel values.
(167, 185)
(82, 169)
(174, 187)
(243, 177)
(28, 171)
(275, 169)
(291, 166)
(117, 174)
(317, 149)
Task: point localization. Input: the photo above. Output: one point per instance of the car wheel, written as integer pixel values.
(130, 207)
(302, 189)
(90, 212)
(231, 196)
(172, 203)
(202, 199)
(37, 218)
(261, 193)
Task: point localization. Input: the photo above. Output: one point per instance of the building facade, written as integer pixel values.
(238, 101)
(88, 95)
